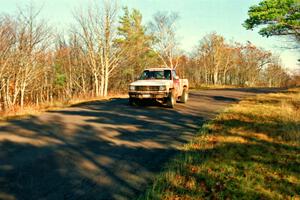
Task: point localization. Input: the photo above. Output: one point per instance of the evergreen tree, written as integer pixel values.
(135, 43)
(280, 17)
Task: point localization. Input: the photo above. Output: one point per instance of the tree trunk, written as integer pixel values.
(106, 82)
(22, 95)
(102, 85)
(3, 96)
(216, 75)
(96, 85)
(224, 76)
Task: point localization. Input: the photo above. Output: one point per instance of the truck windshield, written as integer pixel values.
(160, 75)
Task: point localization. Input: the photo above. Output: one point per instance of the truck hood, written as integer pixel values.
(151, 83)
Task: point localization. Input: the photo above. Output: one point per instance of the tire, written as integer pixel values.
(185, 95)
(171, 100)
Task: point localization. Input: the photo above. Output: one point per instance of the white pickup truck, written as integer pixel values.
(160, 84)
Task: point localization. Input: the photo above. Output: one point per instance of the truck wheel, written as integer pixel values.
(171, 100)
(185, 95)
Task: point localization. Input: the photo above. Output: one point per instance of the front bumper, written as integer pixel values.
(148, 94)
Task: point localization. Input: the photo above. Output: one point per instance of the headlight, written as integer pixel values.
(131, 88)
(162, 88)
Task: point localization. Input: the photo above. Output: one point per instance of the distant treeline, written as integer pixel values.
(107, 48)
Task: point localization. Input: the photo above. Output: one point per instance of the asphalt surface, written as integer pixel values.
(101, 149)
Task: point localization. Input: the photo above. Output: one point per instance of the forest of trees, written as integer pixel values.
(109, 47)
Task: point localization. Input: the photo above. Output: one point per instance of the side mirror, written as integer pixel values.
(176, 77)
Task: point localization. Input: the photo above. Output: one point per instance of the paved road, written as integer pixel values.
(100, 150)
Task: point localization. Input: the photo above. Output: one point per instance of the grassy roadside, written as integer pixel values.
(250, 151)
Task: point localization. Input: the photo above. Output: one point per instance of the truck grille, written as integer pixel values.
(147, 88)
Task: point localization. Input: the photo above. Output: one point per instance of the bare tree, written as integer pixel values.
(98, 32)
(33, 40)
(163, 29)
(7, 42)
(216, 61)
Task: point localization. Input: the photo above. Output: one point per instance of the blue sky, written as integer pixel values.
(197, 18)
